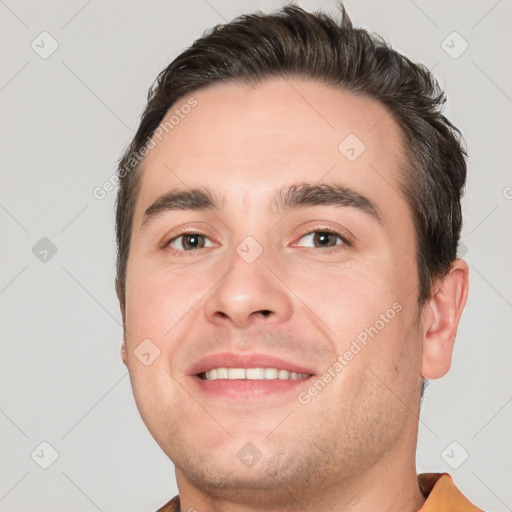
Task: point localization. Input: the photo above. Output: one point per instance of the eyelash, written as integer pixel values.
(344, 240)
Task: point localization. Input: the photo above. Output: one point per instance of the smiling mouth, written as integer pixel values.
(251, 374)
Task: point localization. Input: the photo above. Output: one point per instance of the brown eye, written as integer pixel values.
(323, 239)
(188, 242)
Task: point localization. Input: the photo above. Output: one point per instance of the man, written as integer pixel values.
(287, 223)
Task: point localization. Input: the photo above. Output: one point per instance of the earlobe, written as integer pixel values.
(124, 353)
(441, 320)
(120, 296)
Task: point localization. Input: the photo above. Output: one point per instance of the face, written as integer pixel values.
(269, 232)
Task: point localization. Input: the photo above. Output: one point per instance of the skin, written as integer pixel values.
(356, 439)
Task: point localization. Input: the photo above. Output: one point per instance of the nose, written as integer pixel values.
(249, 294)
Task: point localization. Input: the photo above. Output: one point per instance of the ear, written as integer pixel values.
(120, 296)
(124, 351)
(441, 319)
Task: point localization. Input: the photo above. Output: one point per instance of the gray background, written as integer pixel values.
(66, 119)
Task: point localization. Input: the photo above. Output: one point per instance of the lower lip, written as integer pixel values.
(247, 389)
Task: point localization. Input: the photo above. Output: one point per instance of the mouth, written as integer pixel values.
(245, 366)
(248, 376)
(251, 374)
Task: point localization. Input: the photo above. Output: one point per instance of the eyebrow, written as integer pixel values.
(307, 195)
(301, 195)
(190, 199)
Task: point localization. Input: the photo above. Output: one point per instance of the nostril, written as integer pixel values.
(265, 312)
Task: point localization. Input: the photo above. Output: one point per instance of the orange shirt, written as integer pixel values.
(442, 494)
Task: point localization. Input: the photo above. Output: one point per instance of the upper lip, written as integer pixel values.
(234, 360)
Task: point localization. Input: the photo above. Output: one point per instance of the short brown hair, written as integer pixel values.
(293, 42)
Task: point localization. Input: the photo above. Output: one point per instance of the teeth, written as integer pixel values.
(236, 373)
(222, 373)
(283, 374)
(268, 373)
(253, 374)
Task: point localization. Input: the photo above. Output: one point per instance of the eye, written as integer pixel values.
(189, 241)
(323, 238)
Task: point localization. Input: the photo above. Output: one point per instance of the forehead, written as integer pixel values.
(250, 139)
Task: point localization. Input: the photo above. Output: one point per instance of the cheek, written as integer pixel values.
(347, 297)
(393, 354)
(367, 314)
(155, 303)
(157, 398)
(161, 311)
